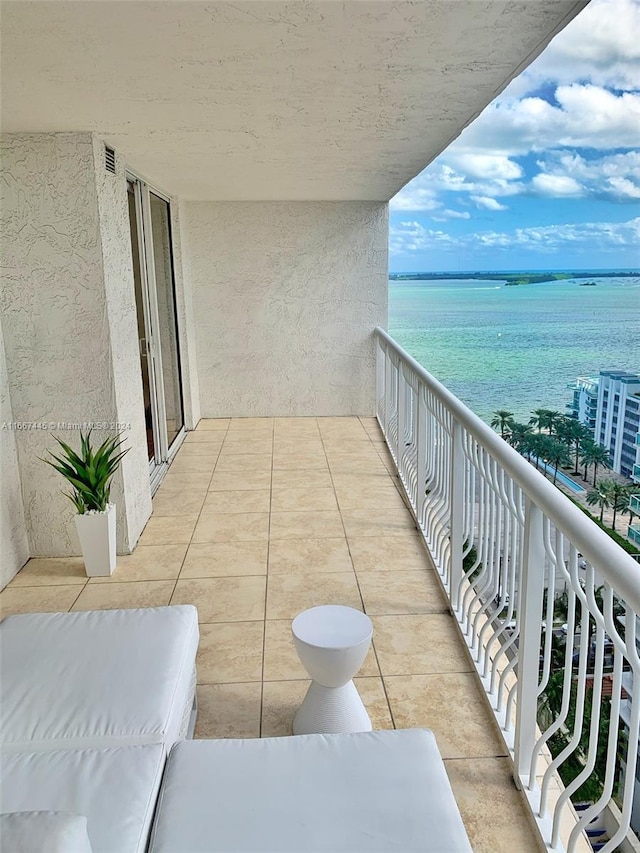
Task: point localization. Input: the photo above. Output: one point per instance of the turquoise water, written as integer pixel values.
(517, 348)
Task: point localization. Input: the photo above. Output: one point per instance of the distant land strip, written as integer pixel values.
(508, 277)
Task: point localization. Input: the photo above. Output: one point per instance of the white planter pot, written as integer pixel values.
(97, 534)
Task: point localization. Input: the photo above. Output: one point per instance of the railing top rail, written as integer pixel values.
(615, 566)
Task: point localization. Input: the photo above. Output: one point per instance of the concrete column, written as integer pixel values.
(69, 321)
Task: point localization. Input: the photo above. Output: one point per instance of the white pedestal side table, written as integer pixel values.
(332, 642)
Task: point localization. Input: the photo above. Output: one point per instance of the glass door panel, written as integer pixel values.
(152, 257)
(141, 311)
(167, 330)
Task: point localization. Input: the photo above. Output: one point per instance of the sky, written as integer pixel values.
(548, 176)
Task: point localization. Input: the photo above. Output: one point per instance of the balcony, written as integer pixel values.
(259, 518)
(634, 504)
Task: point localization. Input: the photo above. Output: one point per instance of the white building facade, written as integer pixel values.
(610, 407)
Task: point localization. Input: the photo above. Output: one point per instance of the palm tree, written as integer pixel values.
(588, 454)
(619, 499)
(518, 434)
(502, 420)
(599, 456)
(552, 418)
(539, 418)
(600, 497)
(556, 453)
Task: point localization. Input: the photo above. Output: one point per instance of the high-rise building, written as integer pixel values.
(610, 407)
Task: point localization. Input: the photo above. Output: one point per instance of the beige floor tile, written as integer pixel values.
(237, 599)
(51, 571)
(289, 595)
(239, 463)
(452, 706)
(202, 449)
(367, 522)
(227, 481)
(178, 481)
(255, 447)
(361, 482)
(38, 599)
(373, 695)
(302, 499)
(203, 436)
(383, 497)
(395, 553)
(308, 556)
(280, 702)
(299, 461)
(238, 501)
(306, 525)
(412, 645)
(317, 478)
(148, 563)
(220, 424)
(295, 445)
(251, 423)
(302, 429)
(168, 530)
(401, 592)
(482, 787)
(117, 596)
(169, 502)
(225, 559)
(232, 527)
(247, 437)
(230, 652)
(200, 464)
(228, 710)
(281, 661)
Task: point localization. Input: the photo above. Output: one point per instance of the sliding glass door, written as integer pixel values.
(151, 251)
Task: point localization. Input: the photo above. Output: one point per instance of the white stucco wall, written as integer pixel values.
(69, 324)
(14, 548)
(131, 483)
(285, 297)
(184, 309)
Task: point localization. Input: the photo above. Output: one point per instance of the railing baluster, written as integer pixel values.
(475, 497)
(456, 513)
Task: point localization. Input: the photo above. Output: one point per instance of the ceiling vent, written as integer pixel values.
(109, 159)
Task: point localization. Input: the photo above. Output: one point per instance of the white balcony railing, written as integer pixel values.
(515, 556)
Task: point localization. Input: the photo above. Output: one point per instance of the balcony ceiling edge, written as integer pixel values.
(268, 100)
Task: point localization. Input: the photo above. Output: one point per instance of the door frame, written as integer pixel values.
(163, 453)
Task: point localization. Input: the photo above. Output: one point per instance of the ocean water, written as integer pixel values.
(517, 348)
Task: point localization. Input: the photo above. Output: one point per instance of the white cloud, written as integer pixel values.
(587, 116)
(487, 203)
(625, 187)
(485, 167)
(409, 237)
(557, 185)
(615, 176)
(600, 46)
(451, 214)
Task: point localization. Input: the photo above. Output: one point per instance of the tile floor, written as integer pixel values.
(260, 518)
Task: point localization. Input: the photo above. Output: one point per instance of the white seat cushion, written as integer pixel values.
(55, 832)
(371, 791)
(98, 678)
(115, 788)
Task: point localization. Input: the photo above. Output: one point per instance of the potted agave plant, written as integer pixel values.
(89, 474)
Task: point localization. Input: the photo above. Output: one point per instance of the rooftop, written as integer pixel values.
(260, 518)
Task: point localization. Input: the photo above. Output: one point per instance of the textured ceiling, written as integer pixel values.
(267, 99)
